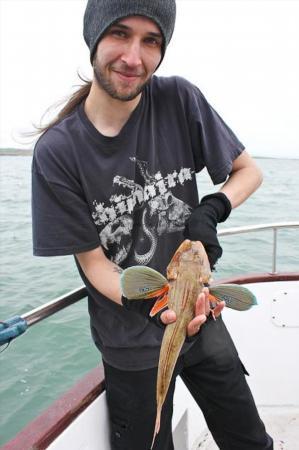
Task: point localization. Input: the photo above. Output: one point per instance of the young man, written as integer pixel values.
(114, 184)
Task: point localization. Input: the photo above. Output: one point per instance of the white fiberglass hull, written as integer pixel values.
(266, 339)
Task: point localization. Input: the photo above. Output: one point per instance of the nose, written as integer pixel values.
(132, 54)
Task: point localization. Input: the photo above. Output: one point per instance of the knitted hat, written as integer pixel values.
(100, 14)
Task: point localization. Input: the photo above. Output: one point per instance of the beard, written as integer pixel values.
(109, 87)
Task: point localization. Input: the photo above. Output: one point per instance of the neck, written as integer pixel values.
(108, 115)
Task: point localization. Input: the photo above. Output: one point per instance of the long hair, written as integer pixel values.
(71, 103)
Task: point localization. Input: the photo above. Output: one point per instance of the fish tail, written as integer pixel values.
(157, 425)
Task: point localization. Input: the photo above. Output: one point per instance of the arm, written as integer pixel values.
(104, 276)
(244, 179)
(102, 273)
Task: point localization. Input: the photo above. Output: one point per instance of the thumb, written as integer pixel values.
(168, 316)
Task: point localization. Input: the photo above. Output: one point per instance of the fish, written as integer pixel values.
(187, 274)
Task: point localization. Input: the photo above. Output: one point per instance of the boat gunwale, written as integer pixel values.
(47, 426)
(44, 429)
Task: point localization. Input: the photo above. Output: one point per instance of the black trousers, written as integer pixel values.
(214, 375)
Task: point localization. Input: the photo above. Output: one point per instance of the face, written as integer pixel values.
(127, 56)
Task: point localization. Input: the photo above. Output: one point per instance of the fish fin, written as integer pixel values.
(140, 282)
(213, 299)
(235, 296)
(157, 425)
(160, 304)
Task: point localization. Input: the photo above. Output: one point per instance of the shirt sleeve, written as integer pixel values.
(214, 144)
(61, 220)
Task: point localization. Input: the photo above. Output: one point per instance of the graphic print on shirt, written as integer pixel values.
(152, 207)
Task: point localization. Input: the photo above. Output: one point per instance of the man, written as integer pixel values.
(114, 184)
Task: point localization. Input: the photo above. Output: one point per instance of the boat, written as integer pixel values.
(79, 420)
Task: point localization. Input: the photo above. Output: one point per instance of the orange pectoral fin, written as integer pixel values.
(213, 299)
(159, 305)
(158, 292)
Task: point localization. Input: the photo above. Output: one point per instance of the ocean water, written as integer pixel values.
(51, 356)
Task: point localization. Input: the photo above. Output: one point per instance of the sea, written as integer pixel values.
(51, 356)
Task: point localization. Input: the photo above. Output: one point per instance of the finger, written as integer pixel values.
(207, 302)
(202, 305)
(168, 316)
(195, 324)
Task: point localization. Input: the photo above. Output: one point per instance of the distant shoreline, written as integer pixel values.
(29, 152)
(15, 152)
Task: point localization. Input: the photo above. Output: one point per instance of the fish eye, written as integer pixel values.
(185, 256)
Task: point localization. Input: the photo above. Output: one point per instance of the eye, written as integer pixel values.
(118, 33)
(152, 41)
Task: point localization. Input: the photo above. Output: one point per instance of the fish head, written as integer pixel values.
(190, 255)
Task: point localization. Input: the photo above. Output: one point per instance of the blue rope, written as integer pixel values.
(12, 328)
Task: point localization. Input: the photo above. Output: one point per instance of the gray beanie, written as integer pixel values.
(100, 14)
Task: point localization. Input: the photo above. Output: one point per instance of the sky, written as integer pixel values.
(242, 54)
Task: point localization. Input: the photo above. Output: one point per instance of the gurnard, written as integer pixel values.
(187, 274)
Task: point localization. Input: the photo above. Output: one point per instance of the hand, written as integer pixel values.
(202, 224)
(202, 311)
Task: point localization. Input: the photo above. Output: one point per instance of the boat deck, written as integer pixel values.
(282, 423)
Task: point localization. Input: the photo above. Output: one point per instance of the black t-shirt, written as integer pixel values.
(131, 194)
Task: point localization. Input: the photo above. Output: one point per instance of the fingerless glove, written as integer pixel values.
(202, 223)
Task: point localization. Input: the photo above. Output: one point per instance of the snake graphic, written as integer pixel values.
(152, 236)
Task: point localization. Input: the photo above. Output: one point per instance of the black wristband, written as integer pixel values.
(220, 203)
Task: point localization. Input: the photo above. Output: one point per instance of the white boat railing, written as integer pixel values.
(55, 305)
(270, 226)
(17, 325)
